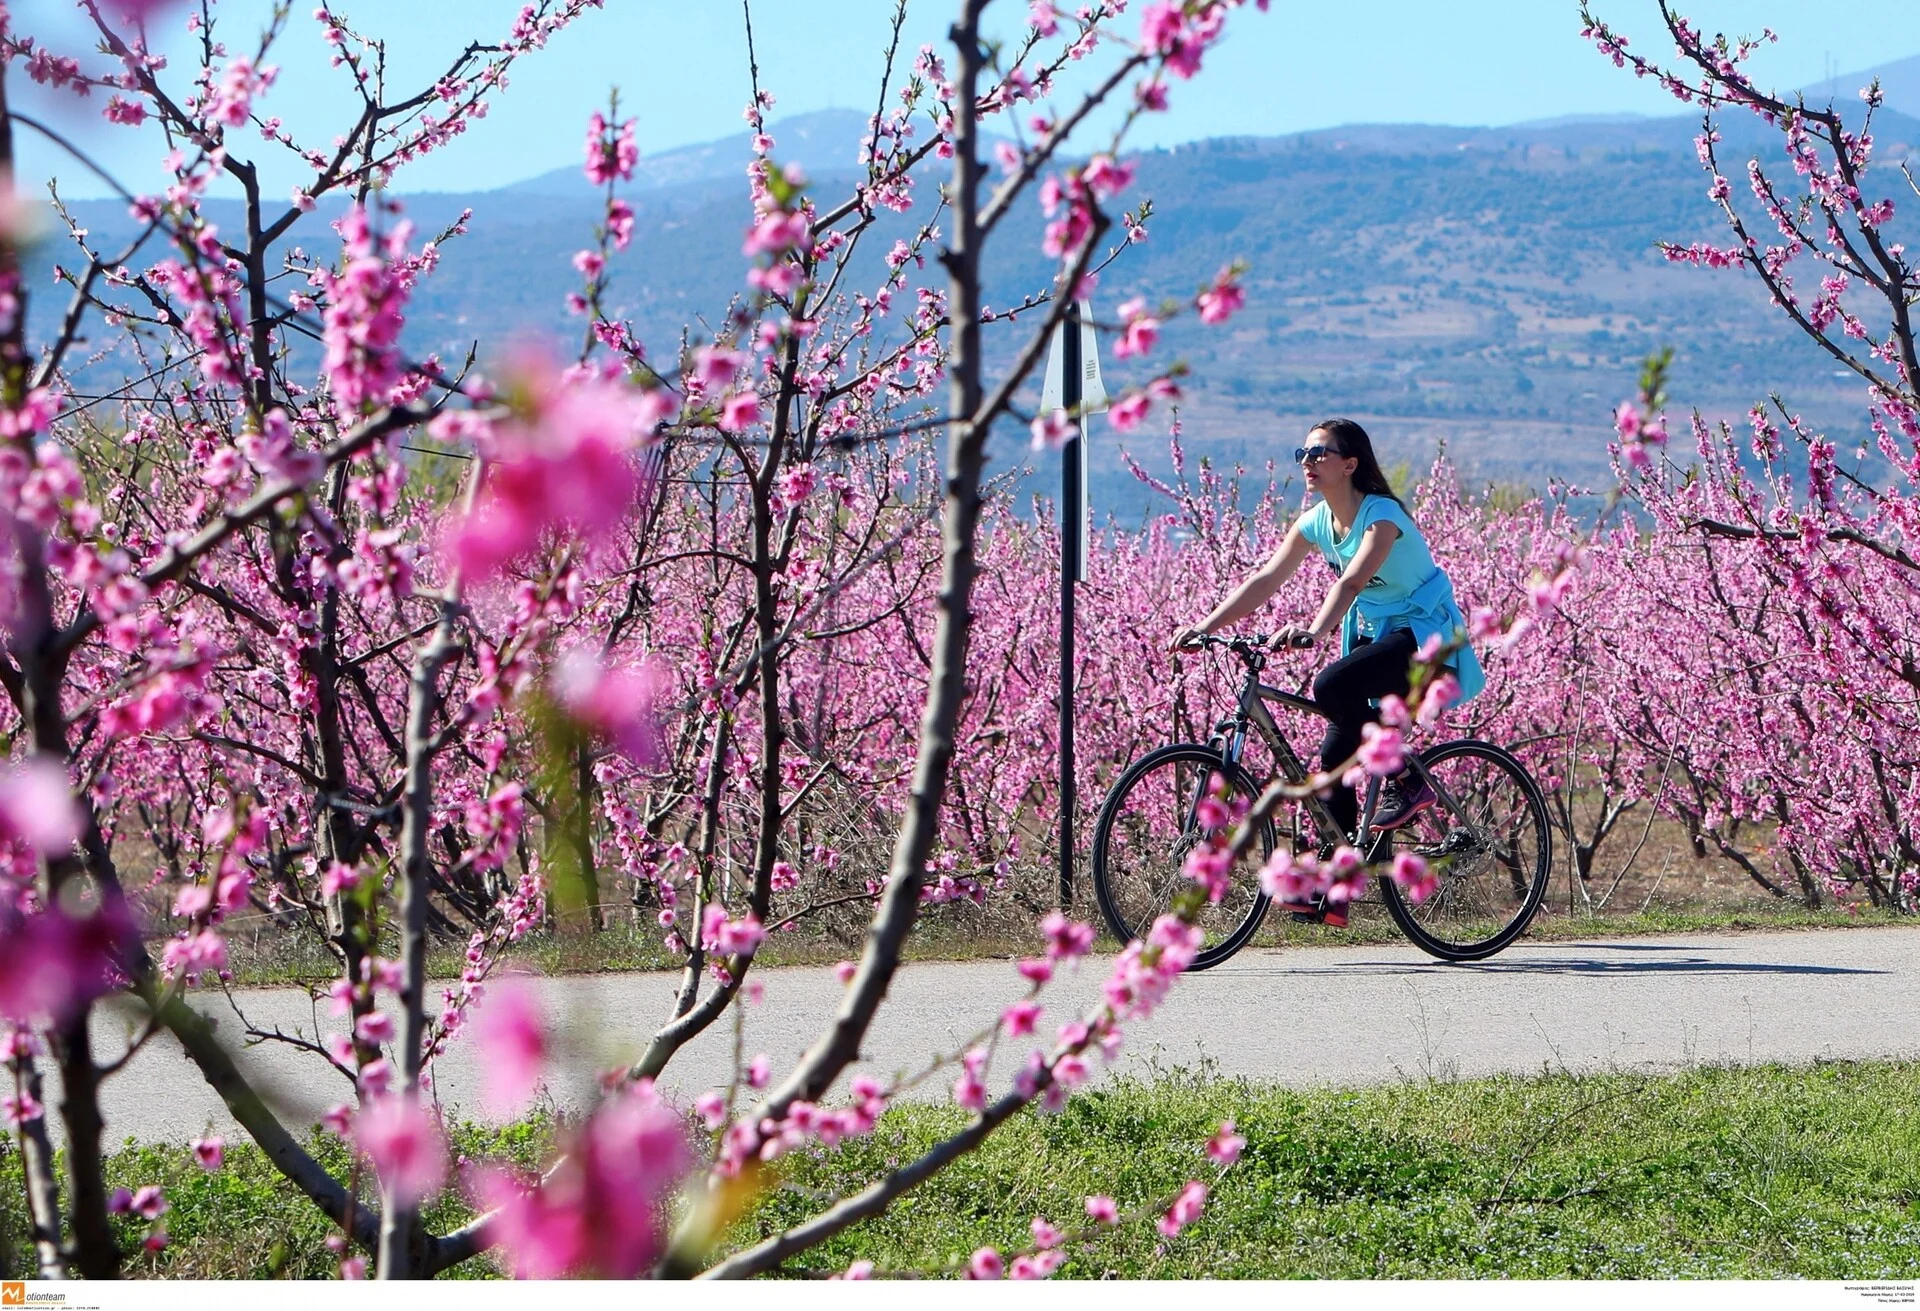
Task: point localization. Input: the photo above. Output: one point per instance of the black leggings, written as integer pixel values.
(1346, 690)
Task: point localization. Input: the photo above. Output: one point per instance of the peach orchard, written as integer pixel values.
(730, 635)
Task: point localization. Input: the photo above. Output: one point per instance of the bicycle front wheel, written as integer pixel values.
(1487, 842)
(1148, 824)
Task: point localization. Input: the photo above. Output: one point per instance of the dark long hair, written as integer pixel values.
(1354, 443)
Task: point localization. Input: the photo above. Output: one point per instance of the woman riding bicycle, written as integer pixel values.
(1388, 599)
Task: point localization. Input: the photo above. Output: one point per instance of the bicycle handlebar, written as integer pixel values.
(1250, 649)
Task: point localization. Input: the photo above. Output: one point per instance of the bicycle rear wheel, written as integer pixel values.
(1147, 826)
(1488, 843)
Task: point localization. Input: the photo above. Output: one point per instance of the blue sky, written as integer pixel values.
(681, 67)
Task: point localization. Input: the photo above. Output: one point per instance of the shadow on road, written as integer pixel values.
(1594, 966)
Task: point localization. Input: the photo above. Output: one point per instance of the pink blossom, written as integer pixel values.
(52, 961)
(1102, 1210)
(1066, 938)
(561, 465)
(210, 1153)
(1211, 867)
(1185, 1210)
(337, 879)
(602, 1210)
(1212, 814)
(1020, 1017)
(1141, 332)
(1414, 877)
(739, 412)
(969, 1093)
(1053, 430)
(364, 313)
(985, 1264)
(730, 937)
(1219, 302)
(1345, 876)
(778, 232)
(1225, 1146)
(514, 1041)
(620, 224)
(618, 704)
(128, 113)
(17, 1110)
(1105, 177)
(403, 1140)
(1441, 693)
(1287, 877)
(1127, 412)
(1382, 751)
(1394, 712)
(711, 1108)
(612, 151)
(1627, 421)
(37, 806)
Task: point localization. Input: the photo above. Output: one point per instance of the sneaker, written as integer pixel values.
(1316, 912)
(1401, 798)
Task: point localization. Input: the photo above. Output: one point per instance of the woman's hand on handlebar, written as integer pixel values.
(1186, 638)
(1292, 638)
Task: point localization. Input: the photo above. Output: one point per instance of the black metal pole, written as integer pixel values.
(1072, 518)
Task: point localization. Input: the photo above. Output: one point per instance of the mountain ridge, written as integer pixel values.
(829, 140)
(1492, 290)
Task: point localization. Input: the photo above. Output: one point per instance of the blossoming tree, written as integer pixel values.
(365, 644)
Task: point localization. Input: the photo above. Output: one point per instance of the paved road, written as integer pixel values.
(1301, 1016)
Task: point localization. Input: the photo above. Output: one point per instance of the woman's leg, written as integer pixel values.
(1345, 689)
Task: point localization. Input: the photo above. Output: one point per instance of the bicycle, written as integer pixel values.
(1487, 838)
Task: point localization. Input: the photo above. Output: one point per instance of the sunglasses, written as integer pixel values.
(1312, 454)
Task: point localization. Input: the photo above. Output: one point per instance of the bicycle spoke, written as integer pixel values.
(1146, 830)
(1487, 846)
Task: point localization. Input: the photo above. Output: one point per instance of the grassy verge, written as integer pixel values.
(622, 948)
(1766, 1172)
(1717, 1173)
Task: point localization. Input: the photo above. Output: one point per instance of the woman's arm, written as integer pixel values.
(1256, 591)
(1346, 589)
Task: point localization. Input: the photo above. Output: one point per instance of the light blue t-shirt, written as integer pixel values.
(1410, 591)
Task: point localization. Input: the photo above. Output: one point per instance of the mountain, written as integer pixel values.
(1490, 289)
(828, 141)
(1899, 83)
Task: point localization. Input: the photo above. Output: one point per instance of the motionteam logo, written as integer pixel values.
(14, 1293)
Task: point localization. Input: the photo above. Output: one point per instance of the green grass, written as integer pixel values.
(244, 1221)
(1762, 1173)
(1767, 1172)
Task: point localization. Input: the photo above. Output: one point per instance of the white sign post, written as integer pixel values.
(1091, 398)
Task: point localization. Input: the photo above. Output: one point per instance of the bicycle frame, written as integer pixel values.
(1230, 739)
